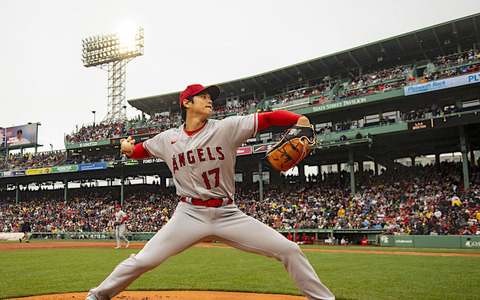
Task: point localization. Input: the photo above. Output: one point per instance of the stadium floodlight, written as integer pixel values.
(112, 52)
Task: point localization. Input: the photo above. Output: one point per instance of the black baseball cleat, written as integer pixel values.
(20, 240)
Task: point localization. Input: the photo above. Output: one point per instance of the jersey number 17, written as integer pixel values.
(215, 172)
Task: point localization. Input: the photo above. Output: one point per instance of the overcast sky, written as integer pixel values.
(42, 78)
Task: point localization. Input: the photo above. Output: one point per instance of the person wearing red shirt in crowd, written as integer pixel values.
(365, 241)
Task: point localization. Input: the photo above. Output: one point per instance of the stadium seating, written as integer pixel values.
(414, 200)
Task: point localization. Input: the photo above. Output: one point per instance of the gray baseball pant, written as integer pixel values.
(119, 234)
(192, 224)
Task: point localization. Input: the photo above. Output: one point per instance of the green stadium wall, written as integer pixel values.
(429, 241)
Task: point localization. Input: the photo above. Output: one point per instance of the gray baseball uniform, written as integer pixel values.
(203, 167)
(120, 229)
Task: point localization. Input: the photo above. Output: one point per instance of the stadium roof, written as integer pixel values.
(423, 44)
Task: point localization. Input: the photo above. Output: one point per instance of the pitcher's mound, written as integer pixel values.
(171, 295)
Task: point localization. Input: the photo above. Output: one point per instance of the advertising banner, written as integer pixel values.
(339, 104)
(386, 240)
(87, 144)
(403, 241)
(19, 136)
(38, 171)
(94, 166)
(442, 84)
(18, 173)
(151, 161)
(244, 151)
(130, 162)
(13, 173)
(261, 148)
(95, 143)
(63, 169)
(470, 241)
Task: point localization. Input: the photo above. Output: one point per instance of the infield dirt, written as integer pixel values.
(171, 295)
(138, 245)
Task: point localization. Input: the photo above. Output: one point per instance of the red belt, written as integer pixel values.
(207, 203)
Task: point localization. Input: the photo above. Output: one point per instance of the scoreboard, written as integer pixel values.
(447, 121)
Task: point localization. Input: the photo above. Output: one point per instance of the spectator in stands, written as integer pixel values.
(456, 201)
(411, 80)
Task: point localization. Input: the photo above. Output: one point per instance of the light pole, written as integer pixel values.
(93, 112)
(112, 52)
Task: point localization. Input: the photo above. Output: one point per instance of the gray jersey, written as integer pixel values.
(210, 155)
(119, 216)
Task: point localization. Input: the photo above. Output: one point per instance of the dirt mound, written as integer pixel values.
(170, 295)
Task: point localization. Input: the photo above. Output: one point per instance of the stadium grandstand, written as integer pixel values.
(397, 124)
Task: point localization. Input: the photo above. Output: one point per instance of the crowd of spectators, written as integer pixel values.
(372, 89)
(304, 92)
(415, 200)
(49, 159)
(29, 160)
(379, 77)
(427, 111)
(97, 132)
(240, 109)
(454, 59)
(90, 210)
(155, 124)
(452, 65)
(375, 82)
(405, 200)
(134, 126)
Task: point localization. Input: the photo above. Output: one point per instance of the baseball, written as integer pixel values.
(127, 146)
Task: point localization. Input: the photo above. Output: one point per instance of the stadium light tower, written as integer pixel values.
(112, 52)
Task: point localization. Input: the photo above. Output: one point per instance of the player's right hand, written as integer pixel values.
(126, 145)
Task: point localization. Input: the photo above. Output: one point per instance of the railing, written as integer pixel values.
(354, 235)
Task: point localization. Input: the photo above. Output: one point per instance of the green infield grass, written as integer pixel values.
(348, 275)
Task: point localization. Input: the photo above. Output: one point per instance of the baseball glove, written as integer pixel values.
(295, 144)
(117, 223)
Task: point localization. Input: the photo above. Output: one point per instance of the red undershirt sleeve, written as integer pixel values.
(277, 118)
(139, 152)
(124, 219)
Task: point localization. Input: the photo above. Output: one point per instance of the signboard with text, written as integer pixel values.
(445, 83)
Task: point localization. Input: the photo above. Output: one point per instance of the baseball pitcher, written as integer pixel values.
(201, 155)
